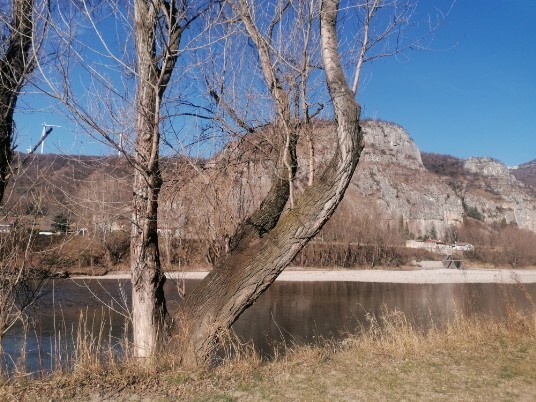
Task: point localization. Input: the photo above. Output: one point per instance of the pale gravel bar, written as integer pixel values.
(383, 276)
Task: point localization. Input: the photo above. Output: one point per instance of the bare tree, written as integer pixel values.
(267, 239)
(21, 283)
(264, 243)
(102, 204)
(158, 29)
(16, 63)
(381, 32)
(145, 58)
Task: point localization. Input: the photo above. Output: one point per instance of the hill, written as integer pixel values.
(395, 185)
(526, 173)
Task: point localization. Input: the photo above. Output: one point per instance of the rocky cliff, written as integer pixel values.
(394, 182)
(525, 173)
(497, 194)
(393, 173)
(391, 178)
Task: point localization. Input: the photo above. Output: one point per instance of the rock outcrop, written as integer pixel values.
(525, 173)
(390, 178)
(391, 174)
(497, 194)
(488, 167)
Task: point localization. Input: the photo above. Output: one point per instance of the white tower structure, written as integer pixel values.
(47, 129)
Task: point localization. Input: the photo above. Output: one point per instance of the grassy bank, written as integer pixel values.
(465, 359)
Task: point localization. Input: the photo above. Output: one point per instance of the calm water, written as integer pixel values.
(289, 312)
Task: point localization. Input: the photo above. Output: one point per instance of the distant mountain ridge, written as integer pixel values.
(424, 192)
(526, 173)
(394, 182)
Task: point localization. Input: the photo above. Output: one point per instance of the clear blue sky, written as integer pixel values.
(475, 95)
(477, 98)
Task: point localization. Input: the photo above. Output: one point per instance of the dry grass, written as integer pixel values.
(478, 358)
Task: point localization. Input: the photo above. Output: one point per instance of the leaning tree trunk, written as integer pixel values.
(15, 65)
(267, 242)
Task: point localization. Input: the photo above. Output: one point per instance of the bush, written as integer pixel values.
(444, 165)
(499, 245)
(472, 212)
(117, 247)
(53, 259)
(329, 255)
(60, 224)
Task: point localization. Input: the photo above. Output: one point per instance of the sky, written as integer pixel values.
(472, 94)
(475, 93)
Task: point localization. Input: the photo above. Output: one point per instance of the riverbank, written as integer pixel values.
(464, 360)
(377, 276)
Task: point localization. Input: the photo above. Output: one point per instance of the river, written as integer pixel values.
(288, 313)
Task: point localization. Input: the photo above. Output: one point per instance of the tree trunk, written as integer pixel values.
(154, 70)
(148, 302)
(15, 65)
(259, 253)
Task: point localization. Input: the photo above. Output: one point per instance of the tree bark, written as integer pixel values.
(161, 21)
(259, 253)
(15, 65)
(148, 301)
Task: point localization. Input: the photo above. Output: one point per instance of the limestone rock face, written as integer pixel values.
(390, 178)
(498, 195)
(525, 173)
(488, 167)
(388, 143)
(392, 174)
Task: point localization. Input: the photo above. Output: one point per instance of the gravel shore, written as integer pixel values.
(385, 276)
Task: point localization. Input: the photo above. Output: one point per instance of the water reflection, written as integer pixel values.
(289, 312)
(302, 312)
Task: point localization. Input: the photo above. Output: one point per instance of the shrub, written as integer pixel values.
(60, 224)
(317, 254)
(116, 246)
(472, 212)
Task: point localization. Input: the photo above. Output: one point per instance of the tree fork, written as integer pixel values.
(148, 301)
(239, 278)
